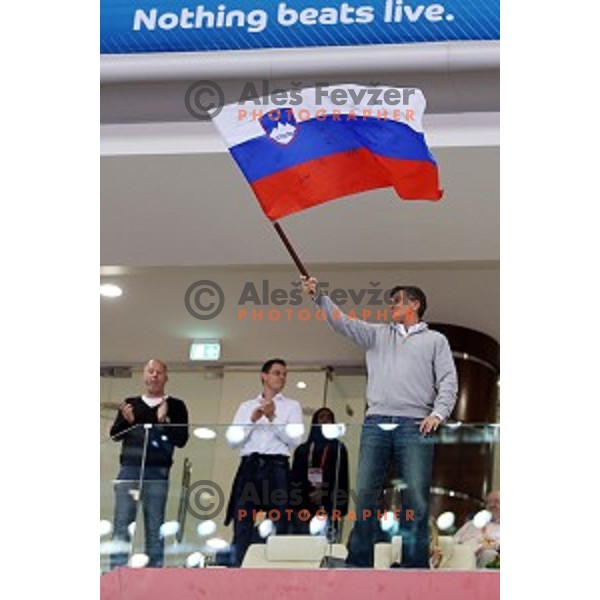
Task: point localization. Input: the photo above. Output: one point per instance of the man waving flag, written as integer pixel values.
(322, 146)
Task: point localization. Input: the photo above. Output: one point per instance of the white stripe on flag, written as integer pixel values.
(236, 128)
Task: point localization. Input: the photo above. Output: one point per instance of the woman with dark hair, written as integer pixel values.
(320, 478)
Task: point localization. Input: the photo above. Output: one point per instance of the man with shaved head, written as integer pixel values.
(146, 456)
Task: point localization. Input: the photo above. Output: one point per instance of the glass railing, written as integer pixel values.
(154, 515)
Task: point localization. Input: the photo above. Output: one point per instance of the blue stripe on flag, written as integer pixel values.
(314, 139)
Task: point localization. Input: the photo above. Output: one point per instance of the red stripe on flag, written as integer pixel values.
(342, 174)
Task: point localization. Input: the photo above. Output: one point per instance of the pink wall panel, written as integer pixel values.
(279, 584)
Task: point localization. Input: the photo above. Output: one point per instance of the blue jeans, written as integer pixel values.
(154, 489)
(412, 454)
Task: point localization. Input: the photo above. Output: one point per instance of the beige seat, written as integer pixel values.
(387, 553)
(454, 556)
(308, 552)
(292, 552)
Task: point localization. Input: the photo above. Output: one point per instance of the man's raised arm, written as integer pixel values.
(358, 331)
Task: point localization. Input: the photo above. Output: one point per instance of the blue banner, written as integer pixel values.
(132, 26)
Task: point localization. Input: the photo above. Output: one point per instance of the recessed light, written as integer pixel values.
(195, 560)
(109, 290)
(318, 525)
(387, 521)
(217, 544)
(204, 433)
(294, 430)
(266, 528)
(332, 431)
(139, 561)
(445, 520)
(169, 528)
(482, 518)
(206, 528)
(388, 426)
(105, 527)
(235, 434)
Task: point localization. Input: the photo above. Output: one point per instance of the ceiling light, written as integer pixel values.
(294, 430)
(139, 561)
(206, 528)
(318, 525)
(387, 521)
(235, 434)
(217, 544)
(301, 385)
(388, 426)
(482, 518)
(108, 290)
(332, 431)
(266, 528)
(204, 433)
(169, 528)
(195, 560)
(105, 527)
(445, 520)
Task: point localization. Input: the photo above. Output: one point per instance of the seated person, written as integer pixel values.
(435, 550)
(485, 541)
(319, 464)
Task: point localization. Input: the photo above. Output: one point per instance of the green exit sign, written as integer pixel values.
(205, 350)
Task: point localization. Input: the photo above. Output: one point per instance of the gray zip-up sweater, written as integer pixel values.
(408, 376)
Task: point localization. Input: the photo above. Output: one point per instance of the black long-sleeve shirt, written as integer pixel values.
(162, 438)
(335, 475)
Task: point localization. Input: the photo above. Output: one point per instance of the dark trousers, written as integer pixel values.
(262, 483)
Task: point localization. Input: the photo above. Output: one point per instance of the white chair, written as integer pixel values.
(387, 553)
(291, 552)
(454, 556)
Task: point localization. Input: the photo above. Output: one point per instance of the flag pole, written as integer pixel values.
(290, 249)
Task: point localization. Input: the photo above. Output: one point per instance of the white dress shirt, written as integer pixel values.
(279, 436)
(401, 328)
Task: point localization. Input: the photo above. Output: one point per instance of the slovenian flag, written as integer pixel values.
(306, 152)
